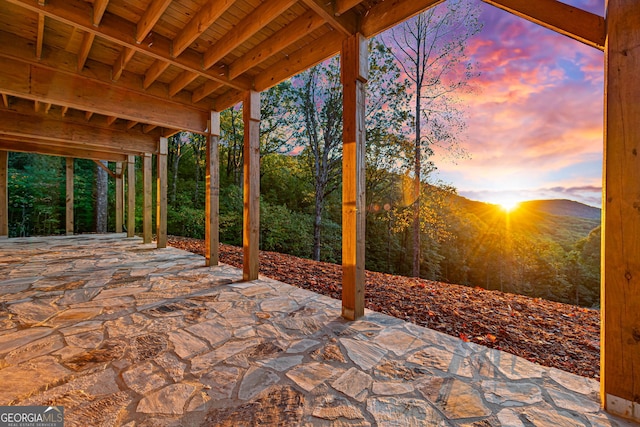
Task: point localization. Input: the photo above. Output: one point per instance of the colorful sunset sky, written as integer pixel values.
(535, 119)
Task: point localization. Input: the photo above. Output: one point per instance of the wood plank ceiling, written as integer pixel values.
(109, 77)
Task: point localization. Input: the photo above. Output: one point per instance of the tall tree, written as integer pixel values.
(430, 49)
(102, 188)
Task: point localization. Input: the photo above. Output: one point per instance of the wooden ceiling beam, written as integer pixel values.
(150, 17)
(131, 124)
(205, 17)
(250, 25)
(228, 99)
(87, 115)
(47, 107)
(40, 36)
(64, 111)
(111, 120)
(387, 14)
(290, 34)
(181, 82)
(347, 23)
(85, 48)
(5, 100)
(148, 128)
(341, 6)
(99, 7)
(36, 106)
(121, 63)
(41, 147)
(205, 90)
(155, 71)
(562, 18)
(117, 30)
(65, 131)
(325, 47)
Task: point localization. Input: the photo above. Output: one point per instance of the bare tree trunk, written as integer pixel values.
(416, 191)
(317, 224)
(102, 186)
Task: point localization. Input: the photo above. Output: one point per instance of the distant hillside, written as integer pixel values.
(563, 208)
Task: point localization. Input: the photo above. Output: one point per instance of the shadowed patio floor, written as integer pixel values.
(121, 333)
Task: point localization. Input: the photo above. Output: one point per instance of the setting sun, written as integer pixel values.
(508, 205)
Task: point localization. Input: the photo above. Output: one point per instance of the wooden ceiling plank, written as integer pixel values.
(117, 30)
(155, 71)
(562, 18)
(181, 82)
(150, 17)
(387, 14)
(290, 34)
(5, 100)
(40, 36)
(27, 78)
(111, 120)
(251, 24)
(99, 7)
(325, 47)
(64, 131)
(343, 6)
(30, 146)
(121, 63)
(205, 90)
(205, 17)
(344, 24)
(85, 48)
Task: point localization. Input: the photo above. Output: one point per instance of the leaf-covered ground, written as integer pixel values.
(549, 333)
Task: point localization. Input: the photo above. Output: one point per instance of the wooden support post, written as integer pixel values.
(4, 194)
(212, 221)
(146, 198)
(131, 196)
(354, 76)
(69, 212)
(161, 193)
(620, 302)
(251, 213)
(119, 197)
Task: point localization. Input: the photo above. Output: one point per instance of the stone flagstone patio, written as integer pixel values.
(124, 334)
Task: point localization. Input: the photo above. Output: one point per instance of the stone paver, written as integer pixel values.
(123, 334)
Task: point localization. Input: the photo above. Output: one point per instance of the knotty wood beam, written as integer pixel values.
(290, 34)
(205, 90)
(146, 198)
(150, 17)
(131, 196)
(354, 63)
(181, 82)
(47, 148)
(212, 193)
(251, 192)
(620, 301)
(389, 13)
(123, 59)
(69, 161)
(341, 6)
(4, 193)
(155, 70)
(347, 25)
(85, 48)
(251, 24)
(40, 36)
(161, 196)
(37, 82)
(325, 47)
(562, 18)
(205, 17)
(99, 7)
(77, 13)
(119, 197)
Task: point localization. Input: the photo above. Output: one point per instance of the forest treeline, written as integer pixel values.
(414, 226)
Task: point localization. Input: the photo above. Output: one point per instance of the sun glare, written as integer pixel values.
(508, 205)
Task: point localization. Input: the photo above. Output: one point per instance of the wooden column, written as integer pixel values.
(69, 202)
(620, 303)
(251, 212)
(146, 198)
(131, 196)
(119, 197)
(212, 203)
(4, 194)
(354, 76)
(161, 190)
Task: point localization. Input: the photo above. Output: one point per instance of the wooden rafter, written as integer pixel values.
(386, 14)
(64, 150)
(64, 111)
(131, 124)
(47, 107)
(345, 24)
(111, 120)
(123, 59)
(148, 128)
(88, 115)
(5, 100)
(99, 7)
(36, 106)
(293, 32)
(181, 82)
(205, 17)
(562, 18)
(342, 6)
(76, 13)
(251, 24)
(105, 168)
(85, 48)
(205, 90)
(40, 36)
(155, 71)
(151, 15)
